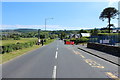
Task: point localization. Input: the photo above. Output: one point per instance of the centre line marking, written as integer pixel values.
(54, 72)
(57, 48)
(56, 55)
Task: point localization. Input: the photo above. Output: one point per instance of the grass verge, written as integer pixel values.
(8, 56)
(49, 41)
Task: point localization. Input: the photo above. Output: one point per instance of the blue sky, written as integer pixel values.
(67, 15)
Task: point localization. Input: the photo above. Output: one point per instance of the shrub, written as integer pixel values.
(80, 40)
(17, 46)
(10, 49)
(16, 38)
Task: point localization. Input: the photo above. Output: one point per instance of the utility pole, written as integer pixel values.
(39, 36)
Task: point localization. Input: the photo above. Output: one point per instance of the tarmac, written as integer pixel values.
(103, 55)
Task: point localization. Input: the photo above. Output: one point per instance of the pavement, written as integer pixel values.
(56, 61)
(103, 55)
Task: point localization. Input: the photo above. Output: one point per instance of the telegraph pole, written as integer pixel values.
(39, 36)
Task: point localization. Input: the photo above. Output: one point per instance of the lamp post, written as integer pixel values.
(46, 23)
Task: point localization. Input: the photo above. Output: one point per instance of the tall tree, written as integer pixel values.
(108, 13)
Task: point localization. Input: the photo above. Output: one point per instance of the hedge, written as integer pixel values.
(17, 46)
(80, 40)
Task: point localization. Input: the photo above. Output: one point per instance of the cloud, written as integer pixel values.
(54, 0)
(111, 2)
(42, 27)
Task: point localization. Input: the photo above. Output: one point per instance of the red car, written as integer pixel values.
(69, 42)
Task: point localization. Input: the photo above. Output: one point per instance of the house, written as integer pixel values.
(80, 35)
(75, 35)
(115, 31)
(85, 34)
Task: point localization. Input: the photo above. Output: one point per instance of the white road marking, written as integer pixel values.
(54, 72)
(57, 48)
(56, 55)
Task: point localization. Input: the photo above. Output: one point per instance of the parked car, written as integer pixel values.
(69, 42)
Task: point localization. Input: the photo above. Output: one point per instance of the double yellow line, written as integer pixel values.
(93, 63)
(97, 65)
(109, 74)
(76, 52)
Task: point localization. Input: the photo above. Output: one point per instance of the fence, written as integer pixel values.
(110, 40)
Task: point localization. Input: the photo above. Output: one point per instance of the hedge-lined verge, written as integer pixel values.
(8, 56)
(11, 47)
(80, 40)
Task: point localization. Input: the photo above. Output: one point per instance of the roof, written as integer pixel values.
(85, 34)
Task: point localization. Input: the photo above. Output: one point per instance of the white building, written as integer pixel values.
(85, 34)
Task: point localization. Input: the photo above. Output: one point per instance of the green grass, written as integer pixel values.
(11, 55)
(22, 40)
(109, 33)
(49, 41)
(8, 56)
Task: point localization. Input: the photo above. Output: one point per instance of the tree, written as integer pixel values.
(109, 13)
(94, 32)
(63, 34)
(83, 31)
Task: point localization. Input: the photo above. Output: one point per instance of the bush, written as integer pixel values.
(80, 40)
(73, 39)
(4, 49)
(17, 46)
(16, 38)
(9, 48)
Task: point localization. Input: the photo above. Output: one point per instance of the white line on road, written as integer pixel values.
(54, 72)
(57, 48)
(56, 55)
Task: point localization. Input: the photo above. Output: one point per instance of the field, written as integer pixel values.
(22, 40)
(109, 34)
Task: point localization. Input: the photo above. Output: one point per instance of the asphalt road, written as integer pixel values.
(57, 60)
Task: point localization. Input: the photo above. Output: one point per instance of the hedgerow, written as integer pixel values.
(11, 47)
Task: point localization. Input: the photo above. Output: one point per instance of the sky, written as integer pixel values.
(119, 15)
(66, 15)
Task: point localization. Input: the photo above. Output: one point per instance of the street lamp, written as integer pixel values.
(46, 21)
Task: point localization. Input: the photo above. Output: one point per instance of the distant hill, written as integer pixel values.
(18, 30)
(26, 30)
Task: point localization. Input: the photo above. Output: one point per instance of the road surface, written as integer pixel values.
(57, 60)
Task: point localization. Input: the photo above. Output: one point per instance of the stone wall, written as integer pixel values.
(113, 50)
